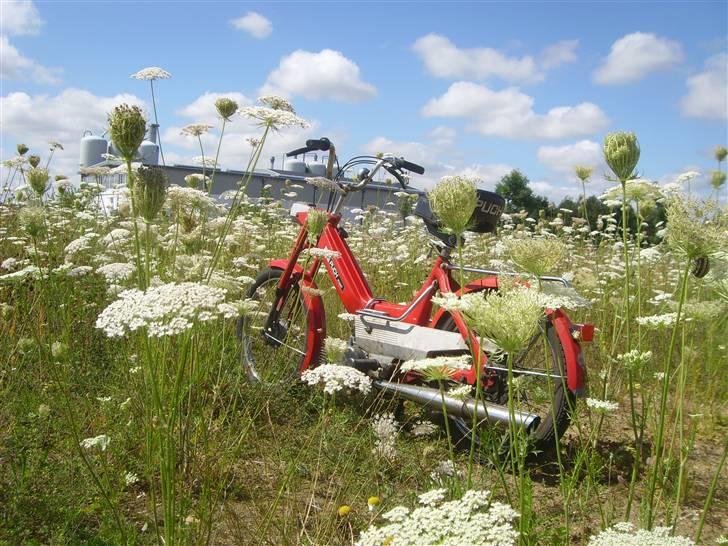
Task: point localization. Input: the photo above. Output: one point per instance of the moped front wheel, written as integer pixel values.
(272, 345)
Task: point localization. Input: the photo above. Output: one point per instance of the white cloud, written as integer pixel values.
(563, 159)
(254, 24)
(444, 59)
(37, 119)
(509, 113)
(562, 52)
(323, 75)
(442, 135)
(708, 90)
(14, 66)
(19, 17)
(636, 55)
(202, 109)
(438, 159)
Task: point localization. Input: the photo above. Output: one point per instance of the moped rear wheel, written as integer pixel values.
(273, 352)
(539, 373)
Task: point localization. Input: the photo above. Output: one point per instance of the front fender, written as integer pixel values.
(573, 356)
(316, 316)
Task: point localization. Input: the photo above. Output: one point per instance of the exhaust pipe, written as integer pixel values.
(432, 398)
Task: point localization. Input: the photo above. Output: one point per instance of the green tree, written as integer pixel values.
(519, 195)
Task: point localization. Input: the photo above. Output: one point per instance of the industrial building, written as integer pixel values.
(270, 182)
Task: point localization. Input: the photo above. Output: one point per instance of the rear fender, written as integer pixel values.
(315, 314)
(573, 356)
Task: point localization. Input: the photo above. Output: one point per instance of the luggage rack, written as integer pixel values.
(469, 269)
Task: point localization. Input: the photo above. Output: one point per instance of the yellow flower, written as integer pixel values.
(344, 510)
(372, 502)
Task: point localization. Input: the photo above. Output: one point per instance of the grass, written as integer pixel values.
(198, 455)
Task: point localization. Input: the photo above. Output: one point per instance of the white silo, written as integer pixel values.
(93, 147)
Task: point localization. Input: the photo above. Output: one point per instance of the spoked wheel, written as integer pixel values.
(539, 383)
(273, 352)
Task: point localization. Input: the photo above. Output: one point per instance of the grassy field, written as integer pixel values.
(151, 434)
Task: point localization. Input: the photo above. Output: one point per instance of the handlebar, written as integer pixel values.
(323, 144)
(401, 162)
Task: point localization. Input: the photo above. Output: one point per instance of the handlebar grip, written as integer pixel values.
(299, 151)
(414, 167)
(322, 144)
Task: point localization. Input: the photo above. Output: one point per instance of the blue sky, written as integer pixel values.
(460, 87)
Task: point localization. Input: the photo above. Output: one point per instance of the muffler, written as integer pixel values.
(433, 399)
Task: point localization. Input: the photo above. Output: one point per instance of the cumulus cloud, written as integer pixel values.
(509, 113)
(439, 159)
(254, 24)
(20, 18)
(563, 159)
(708, 90)
(15, 66)
(636, 55)
(202, 109)
(36, 119)
(327, 74)
(444, 59)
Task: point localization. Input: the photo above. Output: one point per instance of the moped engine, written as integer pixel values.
(386, 340)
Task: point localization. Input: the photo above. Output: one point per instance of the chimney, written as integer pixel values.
(153, 132)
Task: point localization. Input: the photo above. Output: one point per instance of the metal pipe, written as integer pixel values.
(433, 399)
(383, 315)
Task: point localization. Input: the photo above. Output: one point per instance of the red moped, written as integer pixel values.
(286, 334)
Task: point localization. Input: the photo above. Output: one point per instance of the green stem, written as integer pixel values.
(137, 247)
(711, 491)
(659, 448)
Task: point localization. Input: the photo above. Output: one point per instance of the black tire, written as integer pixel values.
(263, 360)
(554, 420)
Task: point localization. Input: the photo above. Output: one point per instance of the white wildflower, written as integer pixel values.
(151, 73)
(635, 359)
(473, 519)
(449, 363)
(324, 184)
(336, 378)
(130, 478)
(102, 442)
(324, 253)
(116, 272)
(386, 430)
(423, 428)
(624, 534)
(602, 406)
(164, 310)
(275, 119)
(658, 321)
(195, 129)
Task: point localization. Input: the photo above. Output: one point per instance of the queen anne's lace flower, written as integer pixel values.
(450, 363)
(195, 129)
(336, 378)
(386, 430)
(473, 519)
(602, 406)
(102, 442)
(275, 119)
(624, 534)
(116, 272)
(164, 310)
(151, 73)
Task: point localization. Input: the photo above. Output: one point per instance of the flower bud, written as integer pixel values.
(622, 152)
(315, 224)
(32, 219)
(127, 127)
(583, 173)
(34, 160)
(37, 179)
(150, 191)
(717, 179)
(226, 107)
(22, 149)
(453, 201)
(720, 153)
(59, 350)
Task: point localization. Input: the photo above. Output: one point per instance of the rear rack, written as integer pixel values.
(469, 269)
